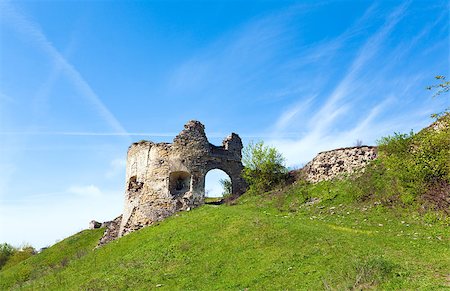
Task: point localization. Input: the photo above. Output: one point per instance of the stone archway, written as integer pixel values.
(164, 178)
(213, 184)
(233, 169)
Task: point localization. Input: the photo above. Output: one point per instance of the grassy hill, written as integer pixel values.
(386, 228)
(264, 242)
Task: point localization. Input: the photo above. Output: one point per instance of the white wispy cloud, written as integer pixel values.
(85, 190)
(290, 114)
(117, 166)
(41, 220)
(331, 109)
(146, 135)
(32, 32)
(87, 133)
(324, 130)
(347, 112)
(239, 57)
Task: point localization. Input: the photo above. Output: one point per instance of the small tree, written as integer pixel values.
(6, 251)
(227, 187)
(19, 255)
(263, 166)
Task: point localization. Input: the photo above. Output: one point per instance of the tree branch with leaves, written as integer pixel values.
(442, 87)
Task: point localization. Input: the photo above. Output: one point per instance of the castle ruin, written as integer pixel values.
(337, 163)
(163, 178)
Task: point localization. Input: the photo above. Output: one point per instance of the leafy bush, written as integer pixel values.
(6, 251)
(9, 255)
(263, 167)
(411, 169)
(20, 255)
(418, 163)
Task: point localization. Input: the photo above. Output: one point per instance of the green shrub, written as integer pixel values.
(20, 255)
(416, 163)
(227, 187)
(263, 167)
(6, 251)
(10, 256)
(372, 183)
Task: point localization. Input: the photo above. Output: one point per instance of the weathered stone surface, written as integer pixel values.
(163, 178)
(335, 163)
(111, 230)
(442, 123)
(94, 224)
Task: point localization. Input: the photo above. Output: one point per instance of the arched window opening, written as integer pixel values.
(179, 183)
(217, 184)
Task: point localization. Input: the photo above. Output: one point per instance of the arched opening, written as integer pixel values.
(179, 183)
(217, 185)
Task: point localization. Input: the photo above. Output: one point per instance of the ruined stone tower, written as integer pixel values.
(163, 178)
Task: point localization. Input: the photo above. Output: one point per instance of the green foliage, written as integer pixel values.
(414, 163)
(337, 235)
(411, 168)
(371, 184)
(330, 244)
(346, 190)
(227, 187)
(20, 255)
(394, 152)
(263, 167)
(6, 251)
(442, 87)
(10, 256)
(49, 261)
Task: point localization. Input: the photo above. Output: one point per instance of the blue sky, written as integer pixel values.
(81, 80)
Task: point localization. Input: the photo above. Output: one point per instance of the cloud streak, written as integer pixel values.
(329, 126)
(31, 31)
(289, 115)
(141, 134)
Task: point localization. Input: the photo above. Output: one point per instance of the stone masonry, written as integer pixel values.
(332, 164)
(163, 178)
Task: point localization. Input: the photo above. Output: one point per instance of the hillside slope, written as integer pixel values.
(386, 227)
(272, 242)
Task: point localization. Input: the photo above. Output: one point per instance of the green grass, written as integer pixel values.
(51, 260)
(275, 242)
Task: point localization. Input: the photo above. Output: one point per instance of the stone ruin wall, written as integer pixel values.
(339, 162)
(163, 178)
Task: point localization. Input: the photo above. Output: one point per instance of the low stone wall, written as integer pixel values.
(332, 164)
(111, 231)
